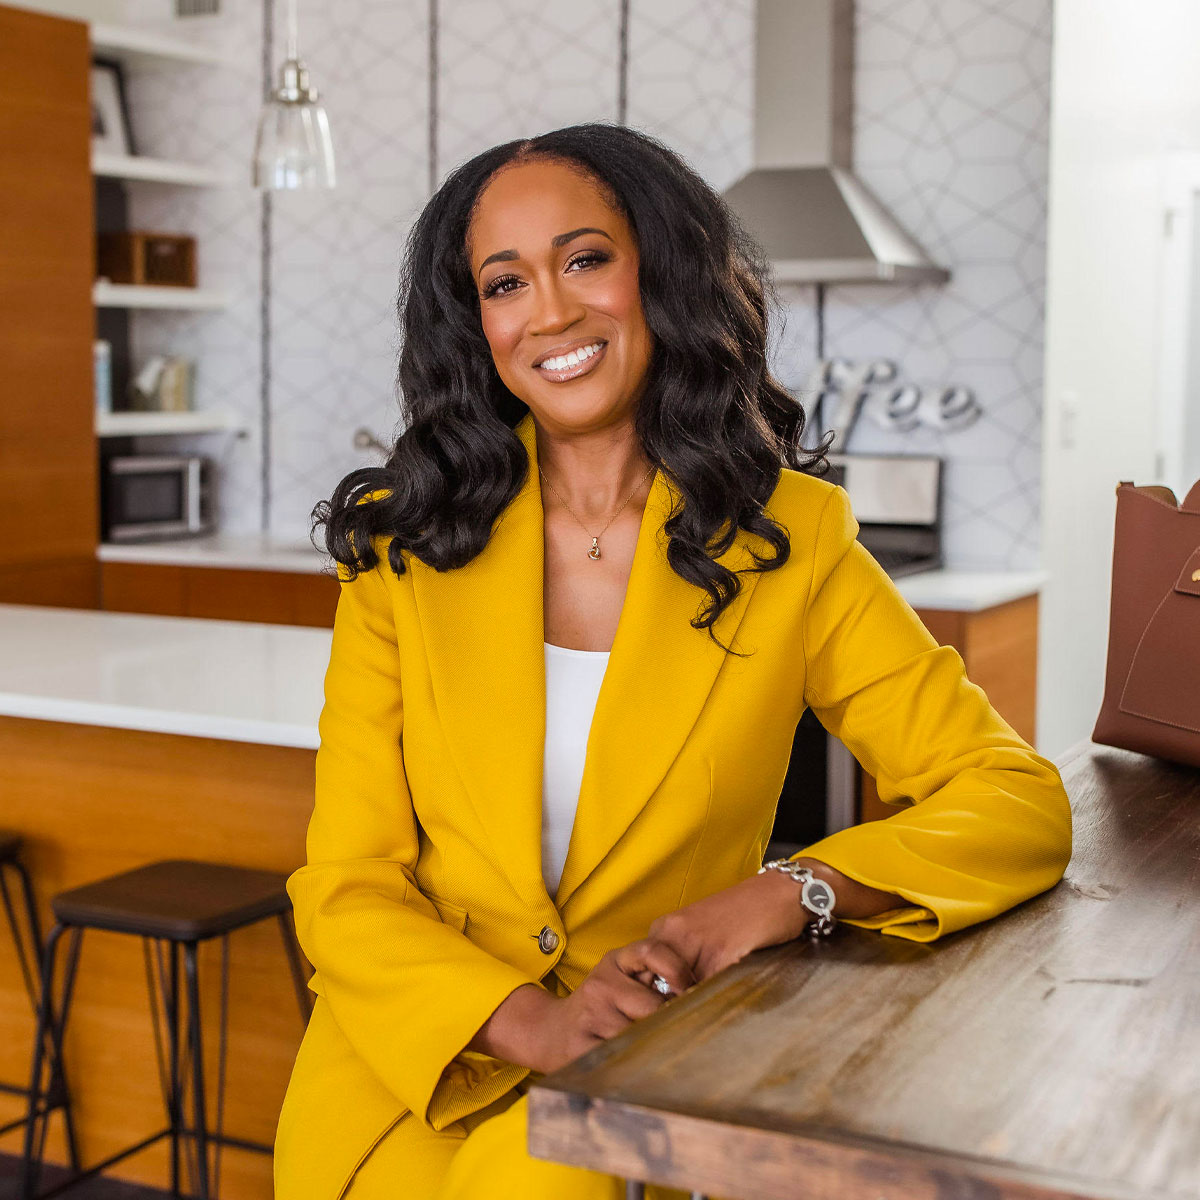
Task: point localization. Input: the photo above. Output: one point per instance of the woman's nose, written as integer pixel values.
(554, 309)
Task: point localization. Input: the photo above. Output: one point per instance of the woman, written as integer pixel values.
(594, 533)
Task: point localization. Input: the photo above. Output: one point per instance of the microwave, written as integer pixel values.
(144, 497)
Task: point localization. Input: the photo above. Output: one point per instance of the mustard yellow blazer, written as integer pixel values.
(422, 899)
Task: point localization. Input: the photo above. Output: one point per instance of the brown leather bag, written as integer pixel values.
(1152, 687)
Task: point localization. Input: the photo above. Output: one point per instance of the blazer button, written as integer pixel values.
(547, 940)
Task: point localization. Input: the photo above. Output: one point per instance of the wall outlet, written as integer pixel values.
(1068, 419)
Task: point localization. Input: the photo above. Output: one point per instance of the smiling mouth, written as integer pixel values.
(573, 364)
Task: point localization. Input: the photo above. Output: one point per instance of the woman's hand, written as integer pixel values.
(610, 999)
(715, 932)
(535, 1029)
(761, 910)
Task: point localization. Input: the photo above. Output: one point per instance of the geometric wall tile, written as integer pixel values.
(951, 118)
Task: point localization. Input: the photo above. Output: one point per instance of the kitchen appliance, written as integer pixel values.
(897, 499)
(148, 497)
(801, 200)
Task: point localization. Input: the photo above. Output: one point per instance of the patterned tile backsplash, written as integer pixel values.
(951, 121)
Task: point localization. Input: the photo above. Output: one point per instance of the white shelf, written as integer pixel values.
(142, 424)
(146, 45)
(156, 170)
(126, 295)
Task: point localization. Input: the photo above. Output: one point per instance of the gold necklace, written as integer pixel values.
(594, 552)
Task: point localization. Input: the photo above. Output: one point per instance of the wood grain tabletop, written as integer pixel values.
(1051, 1052)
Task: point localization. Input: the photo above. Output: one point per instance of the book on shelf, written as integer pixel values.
(164, 384)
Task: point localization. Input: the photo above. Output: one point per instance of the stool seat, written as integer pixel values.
(180, 900)
(10, 845)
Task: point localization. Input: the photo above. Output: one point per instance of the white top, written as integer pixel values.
(573, 679)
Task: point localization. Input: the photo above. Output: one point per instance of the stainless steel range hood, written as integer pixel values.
(815, 219)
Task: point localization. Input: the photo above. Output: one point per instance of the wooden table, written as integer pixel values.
(1051, 1052)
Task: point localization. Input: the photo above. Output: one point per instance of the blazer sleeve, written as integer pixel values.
(984, 821)
(408, 990)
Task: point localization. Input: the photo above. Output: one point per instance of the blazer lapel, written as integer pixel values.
(483, 630)
(659, 675)
(484, 633)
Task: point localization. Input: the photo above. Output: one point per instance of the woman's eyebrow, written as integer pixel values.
(559, 239)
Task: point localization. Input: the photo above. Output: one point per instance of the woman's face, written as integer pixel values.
(556, 268)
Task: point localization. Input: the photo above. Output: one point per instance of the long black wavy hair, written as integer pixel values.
(712, 418)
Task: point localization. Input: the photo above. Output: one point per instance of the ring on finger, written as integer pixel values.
(661, 985)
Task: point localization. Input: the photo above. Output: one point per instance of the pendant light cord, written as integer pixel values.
(293, 36)
(623, 64)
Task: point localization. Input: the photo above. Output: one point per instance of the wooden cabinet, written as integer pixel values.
(223, 593)
(48, 468)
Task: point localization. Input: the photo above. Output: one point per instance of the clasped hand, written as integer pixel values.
(684, 947)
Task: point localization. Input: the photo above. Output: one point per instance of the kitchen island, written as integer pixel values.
(125, 739)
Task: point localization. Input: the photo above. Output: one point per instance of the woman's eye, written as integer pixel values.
(496, 287)
(589, 256)
(500, 286)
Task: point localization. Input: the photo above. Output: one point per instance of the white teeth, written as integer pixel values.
(570, 360)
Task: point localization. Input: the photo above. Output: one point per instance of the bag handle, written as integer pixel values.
(1191, 502)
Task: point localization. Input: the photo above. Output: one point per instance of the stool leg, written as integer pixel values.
(169, 1071)
(31, 910)
(31, 1159)
(34, 955)
(42, 1104)
(223, 1046)
(634, 1190)
(171, 1005)
(57, 1092)
(304, 998)
(200, 1130)
(57, 1031)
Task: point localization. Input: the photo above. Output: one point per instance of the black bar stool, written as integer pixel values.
(30, 960)
(173, 904)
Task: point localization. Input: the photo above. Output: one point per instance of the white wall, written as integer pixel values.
(1126, 97)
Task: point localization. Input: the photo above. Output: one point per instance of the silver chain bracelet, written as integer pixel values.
(815, 894)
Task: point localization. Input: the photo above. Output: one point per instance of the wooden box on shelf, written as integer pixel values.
(160, 259)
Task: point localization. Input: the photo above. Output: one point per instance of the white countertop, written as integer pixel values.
(240, 551)
(248, 682)
(967, 591)
(234, 680)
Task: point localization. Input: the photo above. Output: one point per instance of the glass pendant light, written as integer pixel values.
(293, 148)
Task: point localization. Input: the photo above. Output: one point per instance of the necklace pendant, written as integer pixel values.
(594, 552)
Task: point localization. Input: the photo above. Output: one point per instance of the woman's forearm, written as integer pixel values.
(853, 899)
(511, 1032)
